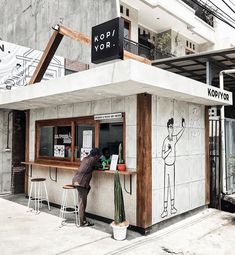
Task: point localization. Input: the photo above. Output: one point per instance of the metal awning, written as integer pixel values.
(203, 67)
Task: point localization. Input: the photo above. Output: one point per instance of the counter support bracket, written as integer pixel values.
(29, 171)
(130, 185)
(54, 180)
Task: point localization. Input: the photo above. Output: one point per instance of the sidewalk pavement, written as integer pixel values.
(208, 232)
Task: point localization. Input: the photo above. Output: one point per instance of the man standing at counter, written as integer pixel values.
(81, 181)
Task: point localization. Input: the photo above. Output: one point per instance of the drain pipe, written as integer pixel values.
(222, 117)
(7, 149)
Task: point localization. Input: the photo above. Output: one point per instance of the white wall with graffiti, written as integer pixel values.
(17, 64)
(178, 157)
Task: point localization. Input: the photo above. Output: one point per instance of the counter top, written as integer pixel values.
(74, 167)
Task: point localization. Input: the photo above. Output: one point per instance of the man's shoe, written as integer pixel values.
(87, 224)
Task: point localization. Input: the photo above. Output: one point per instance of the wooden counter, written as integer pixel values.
(74, 167)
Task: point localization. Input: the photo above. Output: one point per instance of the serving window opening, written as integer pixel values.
(71, 139)
(111, 136)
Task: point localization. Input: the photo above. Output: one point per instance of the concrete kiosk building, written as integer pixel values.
(162, 124)
(153, 104)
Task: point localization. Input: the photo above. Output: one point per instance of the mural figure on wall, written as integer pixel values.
(169, 157)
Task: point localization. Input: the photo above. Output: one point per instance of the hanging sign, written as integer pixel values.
(108, 116)
(107, 41)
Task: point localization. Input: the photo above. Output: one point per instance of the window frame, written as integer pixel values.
(89, 120)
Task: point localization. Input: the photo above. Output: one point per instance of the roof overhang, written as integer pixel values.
(118, 79)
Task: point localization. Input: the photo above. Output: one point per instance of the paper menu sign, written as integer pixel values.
(114, 160)
(87, 139)
(85, 152)
(59, 151)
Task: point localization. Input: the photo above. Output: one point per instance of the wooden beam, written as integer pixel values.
(47, 56)
(129, 55)
(74, 35)
(207, 159)
(144, 160)
(53, 44)
(87, 40)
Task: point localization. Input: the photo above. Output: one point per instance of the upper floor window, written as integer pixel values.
(121, 9)
(127, 28)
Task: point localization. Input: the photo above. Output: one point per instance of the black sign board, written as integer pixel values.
(107, 41)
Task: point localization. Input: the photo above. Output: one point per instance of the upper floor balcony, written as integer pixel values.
(177, 15)
(149, 52)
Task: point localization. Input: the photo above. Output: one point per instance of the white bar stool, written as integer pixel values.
(37, 197)
(69, 209)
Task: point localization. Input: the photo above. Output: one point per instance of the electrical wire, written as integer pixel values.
(232, 2)
(231, 19)
(204, 7)
(228, 6)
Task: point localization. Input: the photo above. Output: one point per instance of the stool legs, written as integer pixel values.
(36, 186)
(30, 194)
(48, 204)
(65, 209)
(76, 209)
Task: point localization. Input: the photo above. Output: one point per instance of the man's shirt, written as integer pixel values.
(83, 175)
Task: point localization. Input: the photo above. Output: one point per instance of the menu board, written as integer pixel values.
(114, 160)
(87, 139)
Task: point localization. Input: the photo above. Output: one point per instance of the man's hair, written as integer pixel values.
(95, 152)
(170, 122)
(105, 149)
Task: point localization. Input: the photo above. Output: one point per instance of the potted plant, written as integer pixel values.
(121, 166)
(120, 224)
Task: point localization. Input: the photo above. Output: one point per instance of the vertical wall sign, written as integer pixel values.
(107, 41)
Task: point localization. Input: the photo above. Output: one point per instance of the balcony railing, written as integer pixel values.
(145, 51)
(202, 11)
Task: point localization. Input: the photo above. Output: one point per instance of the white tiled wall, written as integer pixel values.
(100, 199)
(190, 155)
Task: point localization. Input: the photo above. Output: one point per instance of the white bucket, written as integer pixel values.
(119, 232)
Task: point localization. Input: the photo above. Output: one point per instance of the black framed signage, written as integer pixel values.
(107, 41)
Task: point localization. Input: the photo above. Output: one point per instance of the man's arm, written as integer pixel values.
(181, 131)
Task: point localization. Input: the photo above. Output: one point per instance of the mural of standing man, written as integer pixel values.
(169, 157)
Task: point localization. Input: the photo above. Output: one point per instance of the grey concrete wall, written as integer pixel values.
(5, 157)
(28, 22)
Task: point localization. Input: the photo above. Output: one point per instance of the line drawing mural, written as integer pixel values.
(169, 157)
(18, 64)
